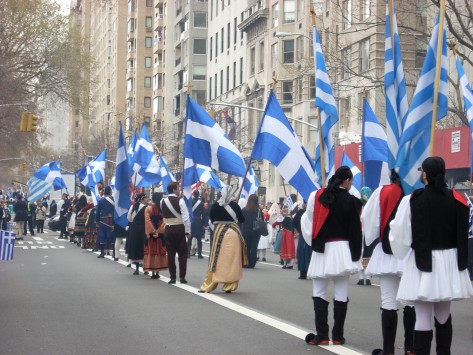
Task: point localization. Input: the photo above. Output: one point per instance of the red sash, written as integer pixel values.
(460, 198)
(388, 200)
(320, 215)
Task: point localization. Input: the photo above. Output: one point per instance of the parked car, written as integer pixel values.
(54, 225)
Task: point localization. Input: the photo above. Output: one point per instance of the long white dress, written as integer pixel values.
(444, 283)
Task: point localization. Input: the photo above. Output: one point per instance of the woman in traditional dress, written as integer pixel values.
(331, 225)
(90, 237)
(155, 258)
(288, 250)
(304, 251)
(252, 237)
(137, 233)
(263, 243)
(228, 251)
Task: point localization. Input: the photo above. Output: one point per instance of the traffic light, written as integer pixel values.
(32, 122)
(24, 122)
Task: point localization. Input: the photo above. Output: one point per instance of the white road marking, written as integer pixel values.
(37, 238)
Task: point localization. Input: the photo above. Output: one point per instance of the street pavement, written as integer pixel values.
(56, 298)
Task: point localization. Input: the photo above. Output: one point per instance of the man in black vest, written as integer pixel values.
(178, 227)
(196, 227)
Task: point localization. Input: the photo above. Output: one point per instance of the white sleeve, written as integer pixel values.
(185, 215)
(400, 235)
(129, 215)
(371, 216)
(306, 219)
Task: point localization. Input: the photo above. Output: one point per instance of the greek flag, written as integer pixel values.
(374, 149)
(207, 176)
(251, 184)
(328, 112)
(207, 144)
(356, 187)
(470, 223)
(121, 192)
(165, 174)
(7, 244)
(93, 171)
(467, 98)
(145, 164)
(394, 87)
(277, 142)
(37, 188)
(131, 149)
(51, 173)
(289, 202)
(415, 140)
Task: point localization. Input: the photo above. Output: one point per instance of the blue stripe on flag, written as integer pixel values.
(467, 100)
(7, 245)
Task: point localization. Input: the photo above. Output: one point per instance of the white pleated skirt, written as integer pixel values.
(335, 261)
(444, 283)
(384, 264)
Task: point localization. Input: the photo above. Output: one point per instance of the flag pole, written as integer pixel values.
(319, 119)
(437, 75)
(246, 173)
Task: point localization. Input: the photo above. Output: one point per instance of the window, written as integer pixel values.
(200, 46)
(288, 51)
(346, 14)
(312, 131)
(261, 56)
(216, 45)
(147, 82)
(148, 42)
(235, 30)
(211, 48)
(147, 102)
(211, 9)
(149, 3)
(312, 87)
(300, 9)
(287, 92)
(147, 121)
(361, 95)
(365, 9)
(344, 109)
(274, 55)
(228, 78)
(148, 62)
(149, 21)
(130, 84)
(289, 11)
(346, 62)
(131, 5)
(252, 60)
(221, 82)
(210, 88)
(77, 124)
(215, 85)
(364, 55)
(228, 35)
(275, 15)
(222, 40)
(199, 96)
(199, 72)
(299, 89)
(241, 70)
(299, 48)
(234, 74)
(131, 25)
(200, 19)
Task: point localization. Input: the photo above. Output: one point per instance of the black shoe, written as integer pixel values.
(101, 256)
(157, 276)
(264, 259)
(200, 257)
(129, 265)
(116, 259)
(136, 272)
(154, 277)
(302, 278)
(368, 283)
(146, 272)
(228, 291)
(284, 267)
(201, 291)
(281, 262)
(290, 267)
(183, 281)
(172, 281)
(361, 282)
(257, 259)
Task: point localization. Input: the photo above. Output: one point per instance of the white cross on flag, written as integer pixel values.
(7, 244)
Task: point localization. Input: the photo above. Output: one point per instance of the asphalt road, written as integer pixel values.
(56, 298)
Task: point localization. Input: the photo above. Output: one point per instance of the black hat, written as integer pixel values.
(433, 166)
(108, 190)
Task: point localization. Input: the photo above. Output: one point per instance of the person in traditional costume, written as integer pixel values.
(104, 212)
(155, 258)
(434, 223)
(197, 224)
(90, 236)
(331, 225)
(263, 243)
(178, 228)
(288, 249)
(378, 212)
(251, 236)
(304, 250)
(228, 250)
(135, 244)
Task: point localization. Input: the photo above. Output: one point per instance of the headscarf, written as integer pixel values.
(227, 195)
(365, 193)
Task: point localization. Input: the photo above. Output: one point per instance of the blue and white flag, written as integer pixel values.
(93, 171)
(165, 174)
(51, 173)
(207, 144)
(37, 188)
(328, 112)
(7, 245)
(277, 142)
(470, 223)
(356, 187)
(131, 149)
(121, 192)
(374, 149)
(251, 184)
(394, 87)
(207, 176)
(145, 166)
(467, 100)
(289, 202)
(416, 134)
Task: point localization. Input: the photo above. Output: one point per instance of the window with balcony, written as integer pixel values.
(200, 19)
(200, 46)
(288, 51)
(364, 53)
(275, 15)
(287, 92)
(289, 11)
(199, 72)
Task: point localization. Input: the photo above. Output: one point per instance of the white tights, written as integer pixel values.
(340, 288)
(424, 313)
